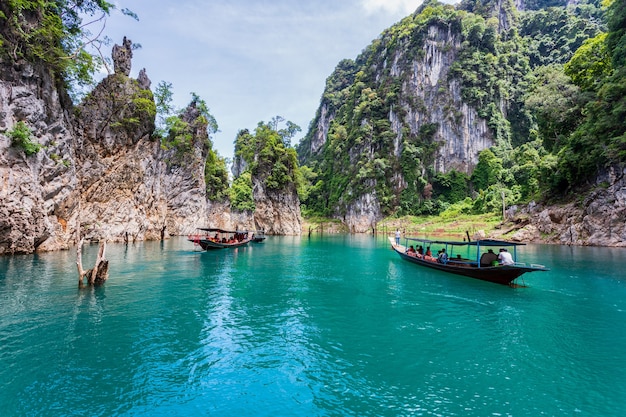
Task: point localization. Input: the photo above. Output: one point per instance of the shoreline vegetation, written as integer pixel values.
(479, 225)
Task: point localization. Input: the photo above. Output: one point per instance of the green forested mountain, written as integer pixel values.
(462, 105)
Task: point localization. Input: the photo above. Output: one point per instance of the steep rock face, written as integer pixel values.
(183, 183)
(265, 170)
(98, 166)
(598, 220)
(461, 133)
(276, 212)
(428, 100)
(119, 197)
(363, 214)
(38, 193)
(131, 188)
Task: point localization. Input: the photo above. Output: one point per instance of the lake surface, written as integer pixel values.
(327, 326)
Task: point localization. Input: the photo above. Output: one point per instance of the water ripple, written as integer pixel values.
(337, 326)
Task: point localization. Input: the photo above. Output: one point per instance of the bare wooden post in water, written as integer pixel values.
(99, 273)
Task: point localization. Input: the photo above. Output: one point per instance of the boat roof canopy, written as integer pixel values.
(482, 242)
(215, 229)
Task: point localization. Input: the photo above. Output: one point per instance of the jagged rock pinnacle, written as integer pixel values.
(122, 57)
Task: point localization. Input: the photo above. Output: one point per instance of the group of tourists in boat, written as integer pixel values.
(488, 258)
(209, 238)
(474, 259)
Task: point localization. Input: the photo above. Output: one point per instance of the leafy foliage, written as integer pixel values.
(556, 103)
(55, 34)
(268, 157)
(177, 129)
(591, 63)
(20, 136)
(488, 171)
(599, 141)
(163, 97)
(452, 186)
(241, 193)
(268, 153)
(216, 177)
(553, 34)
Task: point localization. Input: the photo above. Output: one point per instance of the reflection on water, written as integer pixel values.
(333, 325)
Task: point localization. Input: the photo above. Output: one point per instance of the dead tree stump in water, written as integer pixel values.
(96, 275)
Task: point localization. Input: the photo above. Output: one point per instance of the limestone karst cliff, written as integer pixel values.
(98, 166)
(401, 129)
(271, 168)
(38, 193)
(398, 113)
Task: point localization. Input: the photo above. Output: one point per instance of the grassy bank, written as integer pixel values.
(441, 227)
(322, 225)
(413, 226)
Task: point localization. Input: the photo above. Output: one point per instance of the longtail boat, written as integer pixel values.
(259, 236)
(209, 238)
(474, 259)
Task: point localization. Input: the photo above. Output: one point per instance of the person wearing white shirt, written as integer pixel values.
(505, 257)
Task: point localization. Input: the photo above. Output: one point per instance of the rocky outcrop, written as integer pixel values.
(182, 180)
(119, 187)
(97, 167)
(426, 112)
(100, 169)
(599, 219)
(460, 131)
(363, 214)
(38, 193)
(277, 212)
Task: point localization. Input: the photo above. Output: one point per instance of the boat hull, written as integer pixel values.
(206, 244)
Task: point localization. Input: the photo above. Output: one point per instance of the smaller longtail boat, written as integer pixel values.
(209, 238)
(259, 236)
(474, 259)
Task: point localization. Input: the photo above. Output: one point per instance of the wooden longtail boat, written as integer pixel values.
(481, 266)
(209, 238)
(259, 236)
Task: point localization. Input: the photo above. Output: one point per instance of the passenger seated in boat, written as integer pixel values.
(428, 252)
(487, 258)
(505, 257)
(442, 258)
(411, 251)
(456, 261)
(420, 250)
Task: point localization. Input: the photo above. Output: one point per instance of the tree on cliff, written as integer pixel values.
(268, 156)
(55, 34)
(176, 133)
(599, 68)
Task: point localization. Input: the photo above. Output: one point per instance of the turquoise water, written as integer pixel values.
(331, 326)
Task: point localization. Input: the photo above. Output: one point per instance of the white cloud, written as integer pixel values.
(390, 6)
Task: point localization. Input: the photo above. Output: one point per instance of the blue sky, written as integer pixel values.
(250, 60)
